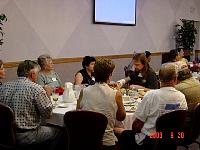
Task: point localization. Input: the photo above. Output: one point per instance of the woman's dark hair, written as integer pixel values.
(179, 49)
(147, 54)
(172, 54)
(87, 60)
(1, 62)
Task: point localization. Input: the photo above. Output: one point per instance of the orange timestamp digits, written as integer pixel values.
(159, 135)
(156, 135)
(179, 135)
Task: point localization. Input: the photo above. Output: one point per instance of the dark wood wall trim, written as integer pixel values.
(79, 59)
(69, 60)
(197, 52)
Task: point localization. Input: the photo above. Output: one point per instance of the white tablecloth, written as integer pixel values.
(58, 114)
(127, 123)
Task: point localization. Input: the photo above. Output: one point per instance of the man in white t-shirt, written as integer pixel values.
(155, 103)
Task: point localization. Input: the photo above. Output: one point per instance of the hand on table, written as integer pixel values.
(136, 87)
(48, 90)
(115, 85)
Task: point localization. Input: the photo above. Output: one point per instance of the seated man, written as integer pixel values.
(31, 104)
(188, 85)
(154, 104)
(143, 75)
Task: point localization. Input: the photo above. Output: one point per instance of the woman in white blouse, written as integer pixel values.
(104, 99)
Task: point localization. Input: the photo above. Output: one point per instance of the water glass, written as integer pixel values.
(133, 94)
(55, 97)
(77, 89)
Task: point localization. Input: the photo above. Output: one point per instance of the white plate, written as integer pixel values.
(130, 108)
(62, 105)
(129, 103)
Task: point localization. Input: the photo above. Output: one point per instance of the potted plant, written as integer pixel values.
(3, 18)
(185, 36)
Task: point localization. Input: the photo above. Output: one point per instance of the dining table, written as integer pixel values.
(61, 108)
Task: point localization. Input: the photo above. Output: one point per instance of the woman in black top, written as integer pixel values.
(86, 75)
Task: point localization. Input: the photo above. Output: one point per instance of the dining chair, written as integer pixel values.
(126, 71)
(170, 125)
(7, 126)
(85, 129)
(192, 125)
(7, 147)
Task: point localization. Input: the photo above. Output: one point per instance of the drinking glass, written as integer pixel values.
(55, 97)
(77, 89)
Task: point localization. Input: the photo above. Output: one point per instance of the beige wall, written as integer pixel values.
(64, 28)
(68, 70)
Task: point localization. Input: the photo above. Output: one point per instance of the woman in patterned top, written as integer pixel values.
(86, 75)
(2, 71)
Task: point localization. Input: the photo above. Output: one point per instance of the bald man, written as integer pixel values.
(155, 103)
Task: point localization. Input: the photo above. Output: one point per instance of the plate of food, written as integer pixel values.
(129, 103)
(130, 108)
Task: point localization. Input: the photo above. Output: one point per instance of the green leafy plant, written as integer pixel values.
(185, 35)
(3, 18)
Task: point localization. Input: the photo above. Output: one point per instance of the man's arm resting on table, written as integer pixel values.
(137, 125)
(122, 82)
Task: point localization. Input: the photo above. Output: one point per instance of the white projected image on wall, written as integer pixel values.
(115, 11)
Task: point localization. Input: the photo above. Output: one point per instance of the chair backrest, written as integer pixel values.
(196, 122)
(126, 71)
(85, 129)
(7, 125)
(171, 126)
(171, 121)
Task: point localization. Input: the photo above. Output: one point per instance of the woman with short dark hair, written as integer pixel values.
(86, 75)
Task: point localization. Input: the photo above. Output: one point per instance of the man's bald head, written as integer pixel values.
(168, 72)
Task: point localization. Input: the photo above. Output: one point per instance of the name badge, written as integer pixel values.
(140, 75)
(54, 79)
(93, 78)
